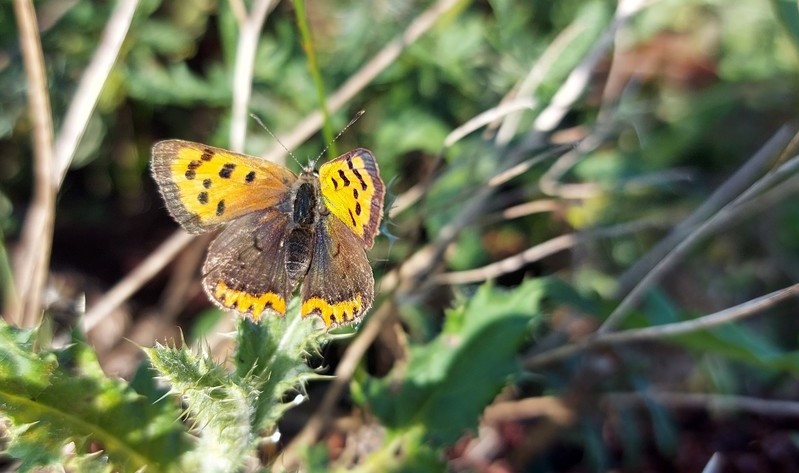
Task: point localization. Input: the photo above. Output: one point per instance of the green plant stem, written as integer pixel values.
(313, 67)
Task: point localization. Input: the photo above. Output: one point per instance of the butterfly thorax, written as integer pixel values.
(305, 213)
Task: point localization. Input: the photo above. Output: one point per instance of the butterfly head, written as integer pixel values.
(310, 169)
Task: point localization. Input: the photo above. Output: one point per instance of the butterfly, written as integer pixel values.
(283, 230)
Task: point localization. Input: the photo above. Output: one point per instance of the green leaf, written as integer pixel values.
(447, 383)
(53, 398)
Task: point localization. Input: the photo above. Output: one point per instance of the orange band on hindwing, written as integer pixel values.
(338, 313)
(253, 304)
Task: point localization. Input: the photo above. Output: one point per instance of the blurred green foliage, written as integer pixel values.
(693, 89)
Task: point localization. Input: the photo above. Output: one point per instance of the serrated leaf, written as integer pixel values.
(220, 410)
(54, 398)
(274, 355)
(448, 382)
(231, 411)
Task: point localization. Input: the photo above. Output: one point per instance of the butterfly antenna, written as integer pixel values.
(354, 119)
(258, 120)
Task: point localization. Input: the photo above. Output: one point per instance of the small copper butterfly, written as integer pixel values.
(283, 230)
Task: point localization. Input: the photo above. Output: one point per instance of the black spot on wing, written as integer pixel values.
(357, 208)
(207, 154)
(343, 177)
(227, 170)
(207, 183)
(191, 171)
(220, 208)
(360, 178)
(335, 182)
(250, 176)
(202, 197)
(352, 217)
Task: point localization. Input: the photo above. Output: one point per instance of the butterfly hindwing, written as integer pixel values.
(339, 288)
(204, 186)
(245, 270)
(353, 191)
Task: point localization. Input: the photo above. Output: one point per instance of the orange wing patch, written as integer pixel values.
(244, 303)
(353, 191)
(337, 313)
(204, 186)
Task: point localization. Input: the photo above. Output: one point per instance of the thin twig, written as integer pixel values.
(570, 92)
(136, 279)
(657, 332)
(529, 85)
(487, 117)
(553, 408)
(714, 464)
(406, 200)
(730, 211)
(522, 167)
(726, 192)
(301, 17)
(522, 210)
(91, 84)
(550, 180)
(540, 251)
(711, 402)
(36, 237)
(246, 48)
(577, 81)
(239, 11)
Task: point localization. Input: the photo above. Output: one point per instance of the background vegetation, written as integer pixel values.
(588, 263)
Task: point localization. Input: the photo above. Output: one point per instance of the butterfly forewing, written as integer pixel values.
(353, 191)
(204, 186)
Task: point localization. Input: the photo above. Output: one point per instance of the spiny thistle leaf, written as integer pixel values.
(231, 411)
(436, 390)
(59, 397)
(220, 409)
